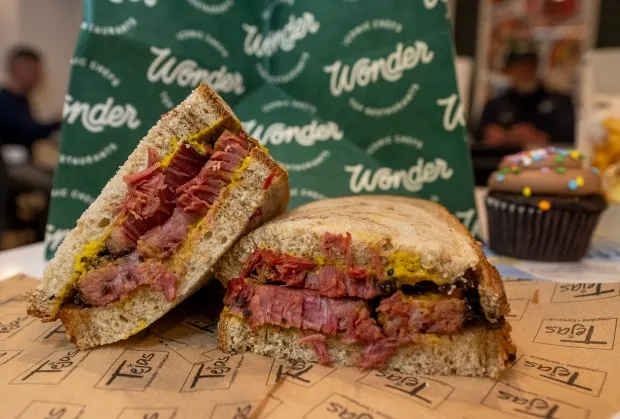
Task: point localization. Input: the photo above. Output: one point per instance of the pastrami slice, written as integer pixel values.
(163, 203)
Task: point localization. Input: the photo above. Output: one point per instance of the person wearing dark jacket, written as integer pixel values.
(528, 114)
(17, 124)
(19, 127)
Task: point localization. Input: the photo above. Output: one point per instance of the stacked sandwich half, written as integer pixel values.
(370, 281)
(192, 187)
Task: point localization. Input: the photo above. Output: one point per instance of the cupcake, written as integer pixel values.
(544, 205)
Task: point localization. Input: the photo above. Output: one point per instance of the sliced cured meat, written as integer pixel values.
(377, 353)
(160, 242)
(274, 266)
(116, 280)
(148, 202)
(151, 196)
(403, 316)
(376, 263)
(301, 308)
(333, 282)
(199, 194)
(319, 345)
(342, 243)
(339, 242)
(185, 165)
(196, 196)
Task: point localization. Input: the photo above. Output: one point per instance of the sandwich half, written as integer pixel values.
(192, 187)
(373, 281)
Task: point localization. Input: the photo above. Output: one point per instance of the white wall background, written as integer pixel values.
(52, 27)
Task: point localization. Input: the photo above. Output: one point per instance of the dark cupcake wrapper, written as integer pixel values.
(527, 232)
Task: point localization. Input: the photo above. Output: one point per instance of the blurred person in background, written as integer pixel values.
(528, 114)
(17, 125)
(24, 185)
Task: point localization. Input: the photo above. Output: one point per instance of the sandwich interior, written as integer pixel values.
(374, 313)
(150, 238)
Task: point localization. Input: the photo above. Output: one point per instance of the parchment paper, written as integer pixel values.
(567, 367)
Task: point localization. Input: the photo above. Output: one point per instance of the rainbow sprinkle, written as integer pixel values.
(563, 152)
(560, 170)
(544, 205)
(500, 177)
(545, 169)
(527, 192)
(575, 155)
(526, 161)
(516, 170)
(595, 171)
(580, 181)
(572, 185)
(559, 159)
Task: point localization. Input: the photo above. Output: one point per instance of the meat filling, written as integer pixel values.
(114, 280)
(151, 196)
(301, 308)
(272, 266)
(161, 206)
(332, 299)
(403, 316)
(196, 197)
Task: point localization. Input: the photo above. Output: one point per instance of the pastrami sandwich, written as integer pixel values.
(372, 281)
(192, 187)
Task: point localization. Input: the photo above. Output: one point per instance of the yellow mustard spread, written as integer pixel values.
(139, 327)
(405, 268)
(176, 145)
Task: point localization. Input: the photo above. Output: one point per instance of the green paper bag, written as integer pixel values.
(352, 96)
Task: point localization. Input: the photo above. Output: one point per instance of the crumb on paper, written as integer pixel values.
(536, 296)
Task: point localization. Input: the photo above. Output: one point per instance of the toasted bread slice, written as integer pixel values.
(247, 203)
(476, 351)
(402, 230)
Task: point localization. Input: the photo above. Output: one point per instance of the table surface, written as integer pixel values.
(30, 259)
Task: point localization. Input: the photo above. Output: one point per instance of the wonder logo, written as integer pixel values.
(284, 40)
(453, 115)
(168, 69)
(305, 135)
(96, 117)
(365, 71)
(413, 179)
(309, 132)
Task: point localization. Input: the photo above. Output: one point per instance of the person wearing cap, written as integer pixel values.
(528, 114)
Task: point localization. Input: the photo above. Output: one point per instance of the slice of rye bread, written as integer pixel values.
(476, 351)
(235, 215)
(202, 109)
(389, 224)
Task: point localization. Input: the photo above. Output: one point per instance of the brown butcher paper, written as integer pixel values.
(567, 366)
